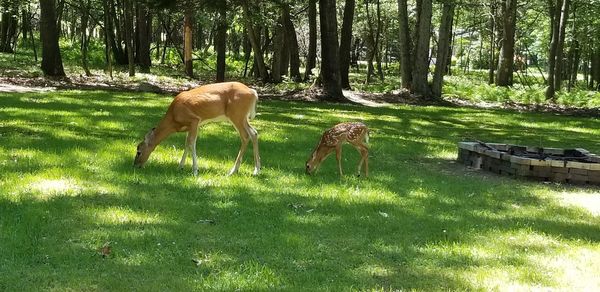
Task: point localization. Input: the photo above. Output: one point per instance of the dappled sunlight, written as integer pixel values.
(123, 215)
(48, 188)
(576, 267)
(587, 200)
(419, 221)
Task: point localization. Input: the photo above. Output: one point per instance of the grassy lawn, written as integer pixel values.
(421, 221)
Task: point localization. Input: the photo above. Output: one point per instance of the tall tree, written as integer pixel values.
(443, 51)
(561, 44)
(405, 45)
(85, 12)
(311, 58)
(279, 51)
(373, 38)
(421, 69)
(559, 10)
(143, 36)
(253, 36)
(187, 41)
(8, 25)
(292, 42)
(330, 69)
(221, 40)
(128, 9)
(346, 42)
(493, 31)
(507, 51)
(51, 59)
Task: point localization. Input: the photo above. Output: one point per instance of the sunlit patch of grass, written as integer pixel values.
(50, 187)
(585, 200)
(419, 222)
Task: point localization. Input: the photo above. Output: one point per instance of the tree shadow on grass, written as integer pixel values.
(395, 230)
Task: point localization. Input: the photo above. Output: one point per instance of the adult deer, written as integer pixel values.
(354, 133)
(232, 101)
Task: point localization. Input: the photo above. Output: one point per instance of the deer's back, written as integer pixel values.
(212, 101)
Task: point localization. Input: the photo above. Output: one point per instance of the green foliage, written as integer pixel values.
(419, 222)
(472, 87)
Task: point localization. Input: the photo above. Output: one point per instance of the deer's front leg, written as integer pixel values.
(338, 156)
(185, 152)
(191, 140)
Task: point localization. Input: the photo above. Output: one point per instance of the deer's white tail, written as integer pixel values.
(367, 137)
(252, 113)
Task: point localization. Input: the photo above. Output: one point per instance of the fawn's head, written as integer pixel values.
(144, 149)
(317, 156)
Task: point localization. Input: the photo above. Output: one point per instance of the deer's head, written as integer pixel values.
(144, 149)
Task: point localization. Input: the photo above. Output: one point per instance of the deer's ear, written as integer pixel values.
(149, 136)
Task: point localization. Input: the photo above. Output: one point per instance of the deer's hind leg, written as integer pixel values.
(191, 143)
(245, 137)
(253, 134)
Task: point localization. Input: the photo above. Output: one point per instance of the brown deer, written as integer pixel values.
(230, 101)
(354, 133)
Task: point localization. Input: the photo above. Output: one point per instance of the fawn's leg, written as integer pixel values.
(338, 156)
(364, 156)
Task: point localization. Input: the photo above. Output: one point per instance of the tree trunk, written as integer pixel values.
(421, 69)
(507, 51)
(371, 42)
(107, 37)
(29, 29)
(492, 63)
(255, 42)
(378, 40)
(558, 76)
(8, 27)
(128, 10)
(278, 51)
(554, 11)
(330, 69)
(247, 48)
(443, 48)
(595, 69)
(84, 37)
(119, 54)
(405, 45)
(221, 41)
(311, 59)
(187, 41)
(574, 64)
(144, 34)
(294, 51)
(51, 59)
(346, 42)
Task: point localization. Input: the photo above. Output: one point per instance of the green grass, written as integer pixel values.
(421, 221)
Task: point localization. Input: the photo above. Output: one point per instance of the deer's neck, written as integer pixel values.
(163, 130)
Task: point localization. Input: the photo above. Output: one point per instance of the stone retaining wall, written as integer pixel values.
(500, 161)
